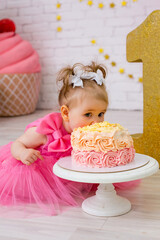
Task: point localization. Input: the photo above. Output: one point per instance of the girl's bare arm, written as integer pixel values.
(23, 148)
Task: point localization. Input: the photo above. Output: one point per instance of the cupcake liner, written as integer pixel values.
(19, 93)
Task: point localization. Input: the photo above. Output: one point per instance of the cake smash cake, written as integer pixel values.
(102, 145)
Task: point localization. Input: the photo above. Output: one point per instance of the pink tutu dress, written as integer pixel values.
(37, 184)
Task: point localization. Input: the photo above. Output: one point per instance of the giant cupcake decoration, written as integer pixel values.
(19, 72)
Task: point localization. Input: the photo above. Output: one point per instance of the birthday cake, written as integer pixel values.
(102, 145)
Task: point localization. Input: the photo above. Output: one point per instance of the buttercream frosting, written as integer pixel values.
(101, 159)
(101, 137)
(102, 145)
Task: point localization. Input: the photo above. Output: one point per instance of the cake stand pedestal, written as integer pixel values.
(106, 202)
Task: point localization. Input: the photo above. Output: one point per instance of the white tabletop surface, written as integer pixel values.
(142, 167)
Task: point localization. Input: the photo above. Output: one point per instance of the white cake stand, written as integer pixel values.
(106, 202)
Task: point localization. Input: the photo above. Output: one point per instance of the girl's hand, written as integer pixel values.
(29, 156)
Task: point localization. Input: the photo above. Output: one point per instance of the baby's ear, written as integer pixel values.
(65, 113)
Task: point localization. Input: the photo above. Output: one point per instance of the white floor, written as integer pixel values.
(142, 222)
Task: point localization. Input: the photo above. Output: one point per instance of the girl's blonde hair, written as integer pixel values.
(67, 92)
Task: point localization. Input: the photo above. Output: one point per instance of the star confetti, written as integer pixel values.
(121, 70)
(140, 79)
(123, 3)
(101, 50)
(93, 41)
(134, 0)
(90, 3)
(113, 64)
(58, 17)
(112, 5)
(100, 5)
(58, 5)
(106, 56)
(59, 29)
(130, 75)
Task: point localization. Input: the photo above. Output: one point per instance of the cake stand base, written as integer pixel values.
(106, 202)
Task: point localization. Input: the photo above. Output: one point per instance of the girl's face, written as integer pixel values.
(88, 112)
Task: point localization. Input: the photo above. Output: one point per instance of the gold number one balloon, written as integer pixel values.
(143, 45)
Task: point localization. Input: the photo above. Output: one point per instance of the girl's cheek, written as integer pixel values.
(82, 122)
(85, 123)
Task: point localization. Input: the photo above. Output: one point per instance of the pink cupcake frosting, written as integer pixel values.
(17, 55)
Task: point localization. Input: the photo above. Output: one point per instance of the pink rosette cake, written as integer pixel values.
(102, 145)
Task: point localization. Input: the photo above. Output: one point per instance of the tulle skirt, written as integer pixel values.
(22, 186)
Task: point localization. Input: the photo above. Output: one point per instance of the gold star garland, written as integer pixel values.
(58, 17)
(111, 5)
(100, 5)
(120, 69)
(58, 5)
(90, 3)
(93, 41)
(123, 3)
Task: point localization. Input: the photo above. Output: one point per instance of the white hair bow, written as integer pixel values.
(76, 79)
